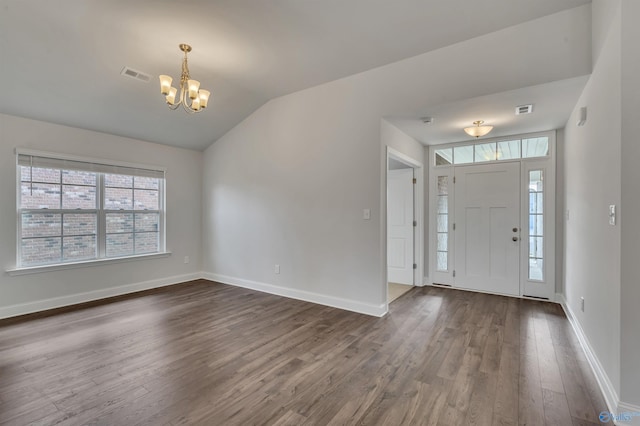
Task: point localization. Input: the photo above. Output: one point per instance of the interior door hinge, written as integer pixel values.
(415, 266)
(415, 223)
(414, 180)
(454, 179)
(454, 226)
(454, 273)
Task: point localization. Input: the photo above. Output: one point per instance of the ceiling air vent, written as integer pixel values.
(138, 75)
(524, 109)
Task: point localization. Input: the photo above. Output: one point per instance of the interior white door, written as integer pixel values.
(487, 228)
(400, 244)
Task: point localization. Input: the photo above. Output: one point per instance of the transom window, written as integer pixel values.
(72, 211)
(493, 151)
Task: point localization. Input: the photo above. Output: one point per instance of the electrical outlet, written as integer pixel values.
(186, 259)
(277, 269)
(582, 304)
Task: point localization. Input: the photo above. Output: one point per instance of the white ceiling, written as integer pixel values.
(61, 62)
(552, 104)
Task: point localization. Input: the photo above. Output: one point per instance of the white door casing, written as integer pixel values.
(400, 229)
(487, 227)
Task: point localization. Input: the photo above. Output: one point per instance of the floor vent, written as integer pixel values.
(441, 285)
(138, 75)
(524, 109)
(535, 297)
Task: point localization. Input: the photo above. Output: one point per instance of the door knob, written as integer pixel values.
(515, 238)
(515, 229)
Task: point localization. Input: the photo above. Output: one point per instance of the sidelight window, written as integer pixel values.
(442, 225)
(536, 225)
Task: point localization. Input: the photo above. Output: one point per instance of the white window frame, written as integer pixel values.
(520, 138)
(101, 165)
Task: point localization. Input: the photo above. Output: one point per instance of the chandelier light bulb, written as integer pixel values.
(204, 98)
(194, 85)
(165, 84)
(171, 96)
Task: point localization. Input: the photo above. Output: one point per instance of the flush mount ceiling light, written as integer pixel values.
(192, 98)
(478, 130)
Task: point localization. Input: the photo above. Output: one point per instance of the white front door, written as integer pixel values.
(487, 228)
(400, 226)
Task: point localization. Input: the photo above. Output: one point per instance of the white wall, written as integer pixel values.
(630, 206)
(601, 160)
(24, 293)
(395, 138)
(592, 160)
(287, 185)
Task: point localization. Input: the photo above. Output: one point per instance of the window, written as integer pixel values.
(485, 152)
(71, 211)
(444, 156)
(442, 225)
(535, 147)
(536, 222)
(463, 154)
(493, 151)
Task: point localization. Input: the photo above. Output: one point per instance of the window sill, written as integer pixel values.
(84, 264)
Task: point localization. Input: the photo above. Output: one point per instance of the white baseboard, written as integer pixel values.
(614, 405)
(307, 296)
(425, 281)
(628, 414)
(74, 299)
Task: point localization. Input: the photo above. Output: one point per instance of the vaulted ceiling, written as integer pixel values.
(61, 62)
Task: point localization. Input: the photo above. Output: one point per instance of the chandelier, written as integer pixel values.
(478, 130)
(192, 98)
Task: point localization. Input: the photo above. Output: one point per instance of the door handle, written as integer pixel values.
(515, 229)
(515, 238)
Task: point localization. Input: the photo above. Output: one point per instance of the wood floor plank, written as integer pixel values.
(549, 370)
(505, 407)
(556, 409)
(483, 396)
(207, 353)
(578, 398)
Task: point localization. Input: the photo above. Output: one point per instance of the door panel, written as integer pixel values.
(499, 267)
(400, 243)
(487, 208)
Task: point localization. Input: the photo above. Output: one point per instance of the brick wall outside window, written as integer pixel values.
(62, 220)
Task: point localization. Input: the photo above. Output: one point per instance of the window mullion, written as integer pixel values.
(61, 218)
(102, 219)
(133, 206)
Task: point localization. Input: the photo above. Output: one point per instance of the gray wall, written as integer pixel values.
(630, 206)
(288, 185)
(27, 293)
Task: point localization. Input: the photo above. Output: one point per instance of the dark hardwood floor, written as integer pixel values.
(207, 353)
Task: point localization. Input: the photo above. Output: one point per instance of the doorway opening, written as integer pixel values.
(492, 215)
(403, 223)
